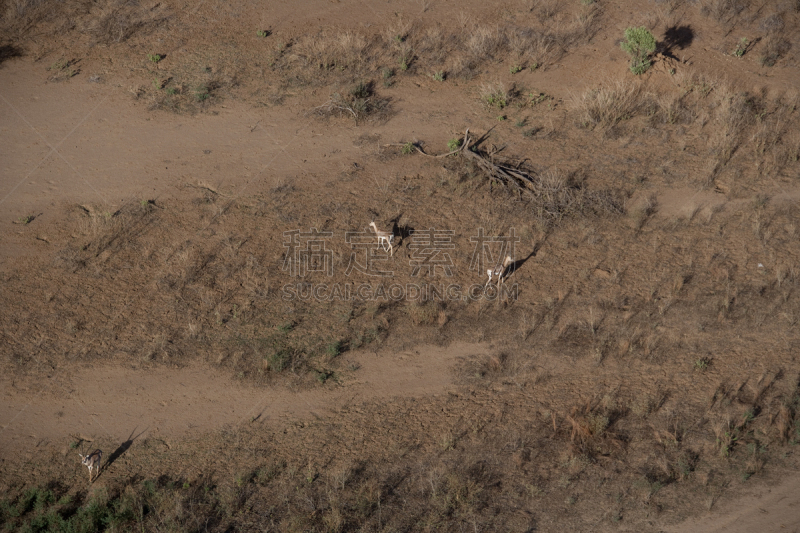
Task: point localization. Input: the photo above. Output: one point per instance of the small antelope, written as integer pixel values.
(92, 461)
(500, 271)
(385, 238)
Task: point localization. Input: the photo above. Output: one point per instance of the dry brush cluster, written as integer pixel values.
(755, 125)
(418, 48)
(442, 465)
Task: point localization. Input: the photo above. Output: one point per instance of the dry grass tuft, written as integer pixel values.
(116, 22)
(463, 53)
(590, 429)
(358, 102)
(485, 42)
(645, 209)
(723, 11)
(413, 46)
(775, 46)
(784, 422)
(330, 49)
(490, 366)
(611, 103)
(495, 95)
(196, 81)
(397, 31)
(558, 195)
(20, 16)
(690, 80)
(106, 21)
(433, 44)
(673, 108)
(734, 111)
(422, 313)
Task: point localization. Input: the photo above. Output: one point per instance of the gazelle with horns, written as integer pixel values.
(92, 461)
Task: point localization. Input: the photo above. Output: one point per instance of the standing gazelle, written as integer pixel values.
(92, 461)
(501, 271)
(384, 237)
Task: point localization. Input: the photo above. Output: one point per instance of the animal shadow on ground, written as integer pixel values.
(403, 231)
(536, 247)
(9, 51)
(515, 265)
(122, 448)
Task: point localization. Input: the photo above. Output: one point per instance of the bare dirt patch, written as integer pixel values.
(770, 507)
(109, 403)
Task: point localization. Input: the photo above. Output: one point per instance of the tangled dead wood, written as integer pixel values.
(503, 173)
(552, 194)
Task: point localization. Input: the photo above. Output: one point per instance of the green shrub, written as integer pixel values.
(279, 360)
(639, 43)
(333, 349)
(741, 48)
(361, 90)
(495, 95)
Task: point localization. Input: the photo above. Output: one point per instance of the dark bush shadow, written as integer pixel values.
(676, 38)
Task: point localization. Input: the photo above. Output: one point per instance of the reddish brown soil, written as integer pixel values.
(110, 401)
(644, 378)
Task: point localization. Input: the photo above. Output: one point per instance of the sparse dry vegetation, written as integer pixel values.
(639, 367)
(611, 103)
(746, 421)
(359, 102)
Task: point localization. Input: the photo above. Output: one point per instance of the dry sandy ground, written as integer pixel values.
(85, 145)
(774, 508)
(90, 145)
(119, 402)
(125, 404)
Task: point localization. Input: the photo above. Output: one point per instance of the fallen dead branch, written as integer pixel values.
(501, 173)
(552, 194)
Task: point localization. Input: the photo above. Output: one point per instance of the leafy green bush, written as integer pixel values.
(333, 349)
(639, 43)
(741, 48)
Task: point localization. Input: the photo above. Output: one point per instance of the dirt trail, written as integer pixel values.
(111, 403)
(774, 508)
(93, 144)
